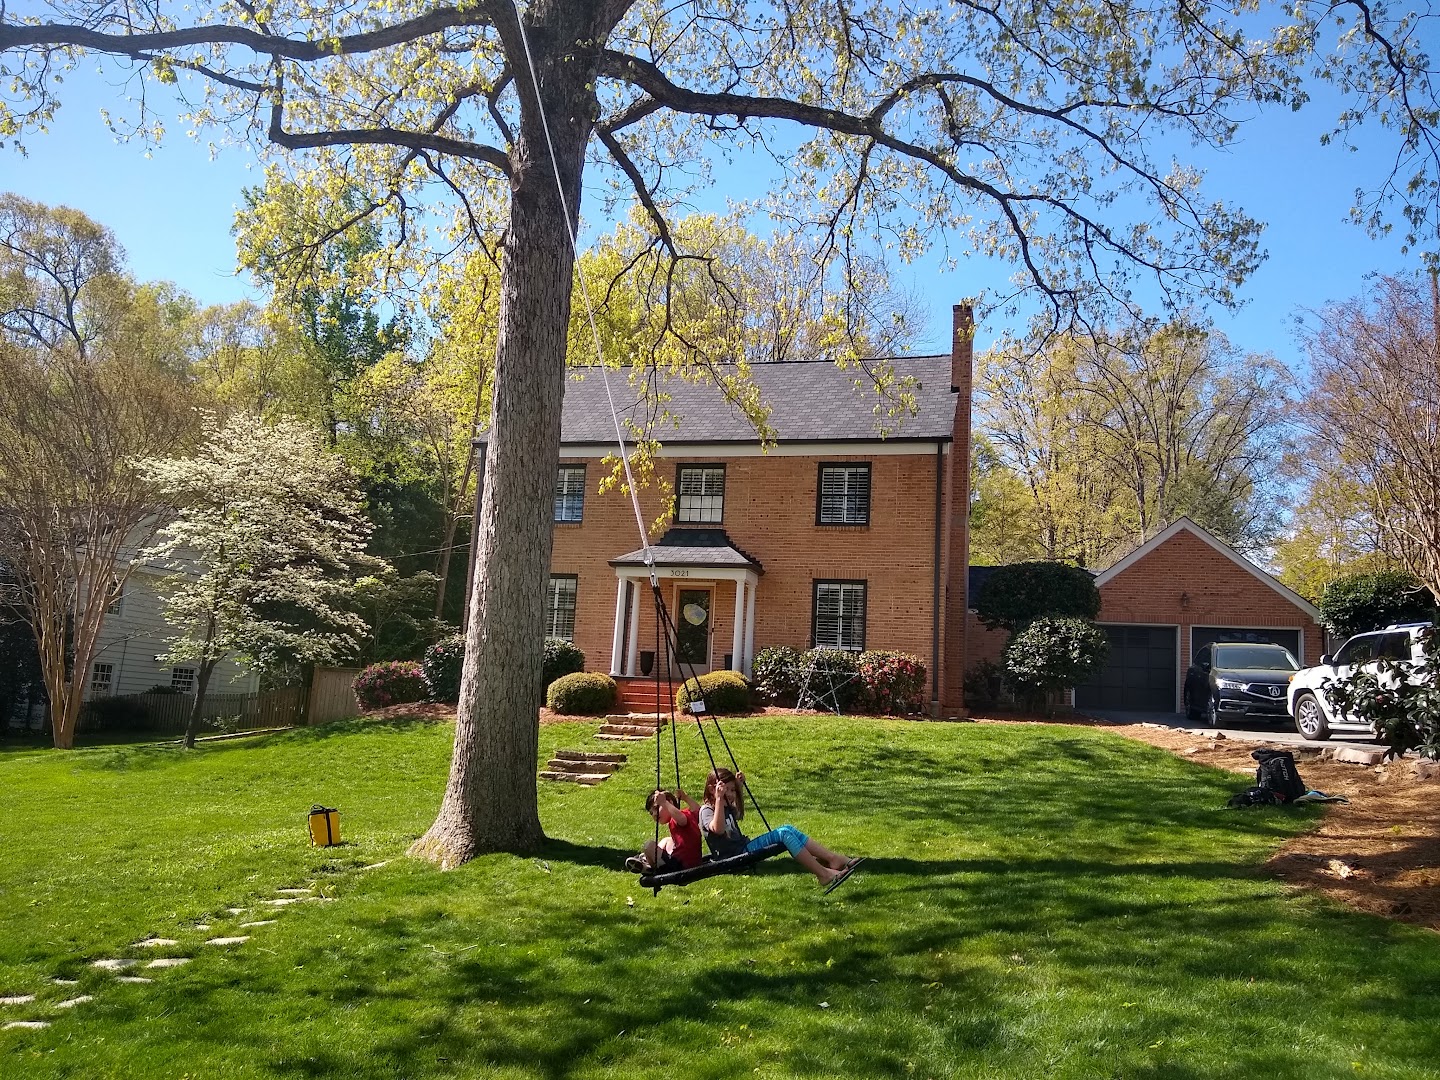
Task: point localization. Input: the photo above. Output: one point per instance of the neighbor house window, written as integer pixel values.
(102, 677)
(844, 495)
(560, 607)
(570, 493)
(701, 490)
(839, 621)
(183, 679)
(115, 605)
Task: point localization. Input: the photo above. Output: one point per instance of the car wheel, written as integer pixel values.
(1193, 712)
(1310, 721)
(1210, 717)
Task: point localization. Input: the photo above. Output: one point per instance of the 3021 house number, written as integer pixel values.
(679, 573)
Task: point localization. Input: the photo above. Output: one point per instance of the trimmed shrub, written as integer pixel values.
(442, 665)
(725, 693)
(984, 683)
(581, 693)
(394, 682)
(774, 670)
(1051, 654)
(1015, 595)
(1355, 603)
(561, 658)
(891, 683)
(832, 682)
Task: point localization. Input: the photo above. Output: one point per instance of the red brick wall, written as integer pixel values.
(769, 513)
(1186, 582)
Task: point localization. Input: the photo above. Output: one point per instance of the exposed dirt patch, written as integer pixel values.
(1378, 853)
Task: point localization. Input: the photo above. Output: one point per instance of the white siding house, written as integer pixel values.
(133, 637)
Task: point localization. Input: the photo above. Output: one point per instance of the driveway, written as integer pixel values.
(1259, 732)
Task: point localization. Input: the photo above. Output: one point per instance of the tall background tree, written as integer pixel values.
(93, 369)
(264, 546)
(1374, 412)
(994, 121)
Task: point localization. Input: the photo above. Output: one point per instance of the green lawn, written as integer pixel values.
(1039, 902)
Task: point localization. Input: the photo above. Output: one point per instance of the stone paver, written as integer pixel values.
(295, 892)
(119, 964)
(133, 979)
(156, 943)
(81, 1000)
(258, 922)
(235, 910)
(17, 999)
(168, 962)
(228, 940)
(66, 982)
(288, 900)
(31, 1025)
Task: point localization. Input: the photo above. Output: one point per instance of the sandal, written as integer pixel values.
(837, 882)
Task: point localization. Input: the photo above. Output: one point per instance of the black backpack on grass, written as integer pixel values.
(1277, 773)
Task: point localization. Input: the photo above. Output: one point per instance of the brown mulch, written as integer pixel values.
(1378, 853)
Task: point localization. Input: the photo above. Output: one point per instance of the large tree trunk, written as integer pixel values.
(490, 800)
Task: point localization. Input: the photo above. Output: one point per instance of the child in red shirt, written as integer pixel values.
(681, 849)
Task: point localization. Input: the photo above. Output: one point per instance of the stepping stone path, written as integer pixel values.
(259, 922)
(133, 979)
(631, 727)
(156, 943)
(81, 1000)
(30, 1025)
(114, 965)
(296, 892)
(288, 900)
(229, 940)
(168, 962)
(18, 999)
(66, 982)
(581, 767)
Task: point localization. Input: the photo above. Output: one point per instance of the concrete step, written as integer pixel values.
(642, 730)
(590, 755)
(587, 779)
(636, 718)
(624, 738)
(572, 766)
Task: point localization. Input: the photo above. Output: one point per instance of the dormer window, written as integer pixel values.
(700, 491)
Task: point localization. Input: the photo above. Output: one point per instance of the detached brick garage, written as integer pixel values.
(1176, 593)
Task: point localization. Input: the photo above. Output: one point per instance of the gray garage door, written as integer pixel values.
(1200, 636)
(1140, 673)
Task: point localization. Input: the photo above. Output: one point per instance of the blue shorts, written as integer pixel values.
(793, 839)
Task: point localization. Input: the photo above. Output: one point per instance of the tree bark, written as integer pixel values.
(490, 799)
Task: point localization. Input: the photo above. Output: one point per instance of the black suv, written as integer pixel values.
(1233, 680)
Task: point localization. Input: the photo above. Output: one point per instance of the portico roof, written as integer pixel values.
(710, 548)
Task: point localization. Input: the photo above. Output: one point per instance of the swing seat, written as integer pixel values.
(709, 867)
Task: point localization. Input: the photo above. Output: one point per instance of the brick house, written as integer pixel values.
(842, 533)
(1161, 603)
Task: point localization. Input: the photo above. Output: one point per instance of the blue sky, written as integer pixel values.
(172, 208)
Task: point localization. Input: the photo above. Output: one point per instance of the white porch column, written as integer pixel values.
(737, 639)
(749, 627)
(618, 641)
(632, 661)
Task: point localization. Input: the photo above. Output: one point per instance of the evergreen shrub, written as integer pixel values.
(442, 665)
(581, 693)
(775, 679)
(561, 658)
(1051, 654)
(726, 693)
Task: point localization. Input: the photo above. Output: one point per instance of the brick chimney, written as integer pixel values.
(957, 547)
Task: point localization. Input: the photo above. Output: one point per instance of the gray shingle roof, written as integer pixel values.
(686, 546)
(810, 401)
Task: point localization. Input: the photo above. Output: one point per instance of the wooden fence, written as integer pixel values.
(167, 714)
(332, 695)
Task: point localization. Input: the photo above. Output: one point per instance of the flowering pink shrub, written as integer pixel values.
(891, 683)
(395, 682)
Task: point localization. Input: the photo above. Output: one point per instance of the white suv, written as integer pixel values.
(1310, 704)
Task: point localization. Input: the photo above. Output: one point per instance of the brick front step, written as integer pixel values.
(588, 779)
(590, 755)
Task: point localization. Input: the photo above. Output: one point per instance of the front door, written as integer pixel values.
(692, 628)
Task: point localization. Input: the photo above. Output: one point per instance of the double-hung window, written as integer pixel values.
(183, 679)
(844, 494)
(560, 607)
(570, 493)
(839, 615)
(701, 491)
(102, 678)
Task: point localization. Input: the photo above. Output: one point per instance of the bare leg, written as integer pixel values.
(823, 873)
(832, 859)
